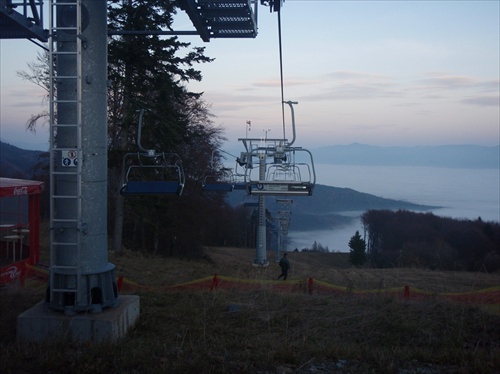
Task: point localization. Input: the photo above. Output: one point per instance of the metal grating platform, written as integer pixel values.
(14, 25)
(222, 18)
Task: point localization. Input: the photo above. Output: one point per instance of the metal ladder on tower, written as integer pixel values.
(65, 47)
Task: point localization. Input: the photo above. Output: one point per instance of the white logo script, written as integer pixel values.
(11, 272)
(20, 191)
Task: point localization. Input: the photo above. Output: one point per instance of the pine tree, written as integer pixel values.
(151, 72)
(314, 246)
(357, 254)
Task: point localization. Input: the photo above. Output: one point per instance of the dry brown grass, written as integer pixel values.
(332, 268)
(261, 331)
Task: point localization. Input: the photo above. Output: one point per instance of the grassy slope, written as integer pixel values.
(199, 331)
(332, 268)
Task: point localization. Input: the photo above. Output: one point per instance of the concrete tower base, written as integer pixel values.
(41, 323)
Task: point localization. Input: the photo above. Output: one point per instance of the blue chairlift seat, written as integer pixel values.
(142, 171)
(151, 188)
(240, 186)
(218, 187)
(222, 182)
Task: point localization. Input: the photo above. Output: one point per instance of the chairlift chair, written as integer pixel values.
(285, 178)
(284, 175)
(151, 173)
(222, 182)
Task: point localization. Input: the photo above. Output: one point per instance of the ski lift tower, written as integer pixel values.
(283, 170)
(81, 278)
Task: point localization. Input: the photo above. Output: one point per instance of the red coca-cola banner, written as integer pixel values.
(18, 187)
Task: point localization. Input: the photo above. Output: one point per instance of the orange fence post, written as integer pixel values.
(119, 283)
(407, 292)
(215, 283)
(310, 286)
(24, 273)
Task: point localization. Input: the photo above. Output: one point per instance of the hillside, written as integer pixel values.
(329, 206)
(276, 327)
(20, 163)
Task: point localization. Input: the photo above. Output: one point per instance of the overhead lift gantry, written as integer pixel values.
(222, 19)
(22, 19)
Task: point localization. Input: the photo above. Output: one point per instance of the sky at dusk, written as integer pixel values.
(375, 72)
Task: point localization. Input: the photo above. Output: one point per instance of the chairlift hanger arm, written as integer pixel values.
(139, 133)
(291, 104)
(212, 160)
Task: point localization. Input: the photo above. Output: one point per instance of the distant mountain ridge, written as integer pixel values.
(450, 156)
(328, 206)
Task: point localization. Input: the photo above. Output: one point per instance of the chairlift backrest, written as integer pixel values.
(222, 181)
(299, 165)
(291, 175)
(275, 167)
(284, 173)
(151, 173)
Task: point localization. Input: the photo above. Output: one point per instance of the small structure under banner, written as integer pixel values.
(19, 227)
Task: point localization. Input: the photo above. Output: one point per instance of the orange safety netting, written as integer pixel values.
(490, 296)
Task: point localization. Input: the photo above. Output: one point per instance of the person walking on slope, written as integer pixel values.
(285, 266)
